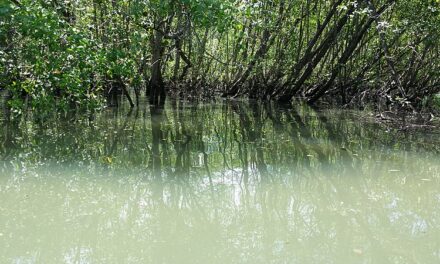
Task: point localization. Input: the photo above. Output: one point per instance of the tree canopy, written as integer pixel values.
(77, 52)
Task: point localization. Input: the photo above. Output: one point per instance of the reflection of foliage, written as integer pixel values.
(188, 139)
(234, 179)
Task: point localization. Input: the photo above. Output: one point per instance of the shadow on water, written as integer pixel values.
(220, 182)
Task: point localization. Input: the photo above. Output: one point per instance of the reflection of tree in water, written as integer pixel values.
(295, 176)
(188, 139)
(305, 172)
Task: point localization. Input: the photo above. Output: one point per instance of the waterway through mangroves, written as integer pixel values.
(224, 182)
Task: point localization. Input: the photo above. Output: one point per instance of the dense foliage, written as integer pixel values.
(77, 52)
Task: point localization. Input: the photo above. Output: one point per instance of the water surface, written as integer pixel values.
(224, 182)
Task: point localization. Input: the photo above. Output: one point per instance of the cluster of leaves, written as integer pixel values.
(46, 59)
(436, 101)
(72, 52)
(56, 60)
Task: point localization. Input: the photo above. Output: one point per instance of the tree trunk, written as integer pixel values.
(361, 30)
(320, 52)
(157, 87)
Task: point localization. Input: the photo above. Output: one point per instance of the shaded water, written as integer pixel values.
(225, 182)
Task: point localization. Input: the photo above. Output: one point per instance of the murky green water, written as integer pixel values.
(217, 183)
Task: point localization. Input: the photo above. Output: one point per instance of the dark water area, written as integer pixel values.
(217, 182)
